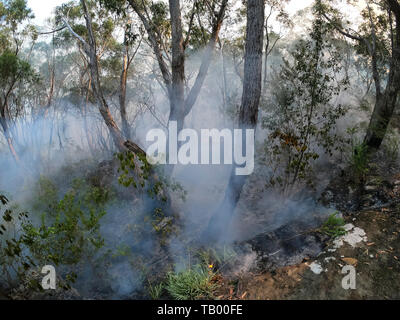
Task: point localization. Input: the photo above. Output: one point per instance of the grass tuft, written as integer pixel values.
(191, 284)
(333, 226)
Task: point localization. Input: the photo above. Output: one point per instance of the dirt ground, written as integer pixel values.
(371, 245)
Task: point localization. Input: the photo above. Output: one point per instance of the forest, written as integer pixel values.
(200, 150)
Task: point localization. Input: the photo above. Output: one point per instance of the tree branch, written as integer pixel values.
(77, 36)
(154, 44)
(374, 57)
(206, 61)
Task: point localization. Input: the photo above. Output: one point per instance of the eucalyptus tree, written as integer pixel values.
(275, 10)
(248, 113)
(378, 38)
(15, 72)
(171, 34)
(95, 40)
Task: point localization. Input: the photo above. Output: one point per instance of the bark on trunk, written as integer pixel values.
(247, 118)
(174, 81)
(122, 96)
(206, 60)
(177, 100)
(383, 112)
(9, 139)
(385, 102)
(91, 51)
(6, 131)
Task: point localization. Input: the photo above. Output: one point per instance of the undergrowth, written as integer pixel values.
(333, 226)
(191, 284)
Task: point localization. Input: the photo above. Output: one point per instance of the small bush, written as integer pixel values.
(70, 223)
(217, 257)
(191, 284)
(14, 254)
(333, 226)
(359, 161)
(358, 155)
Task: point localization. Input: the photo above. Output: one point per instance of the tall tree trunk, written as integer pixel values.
(6, 131)
(177, 99)
(90, 49)
(96, 85)
(382, 114)
(85, 108)
(386, 102)
(180, 107)
(247, 117)
(122, 96)
(206, 60)
(9, 139)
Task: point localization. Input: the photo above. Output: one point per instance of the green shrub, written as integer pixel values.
(191, 284)
(136, 171)
(333, 226)
(69, 227)
(217, 257)
(62, 229)
(150, 181)
(14, 256)
(360, 160)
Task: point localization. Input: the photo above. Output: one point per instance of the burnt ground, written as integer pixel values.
(308, 265)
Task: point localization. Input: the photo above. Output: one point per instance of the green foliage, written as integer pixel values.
(16, 11)
(160, 19)
(149, 181)
(17, 78)
(117, 6)
(69, 228)
(66, 235)
(137, 172)
(13, 13)
(14, 70)
(155, 291)
(121, 251)
(103, 23)
(13, 27)
(359, 159)
(191, 284)
(333, 226)
(217, 257)
(378, 16)
(301, 118)
(134, 170)
(15, 259)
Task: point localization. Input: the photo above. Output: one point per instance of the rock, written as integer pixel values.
(354, 235)
(359, 231)
(316, 267)
(348, 227)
